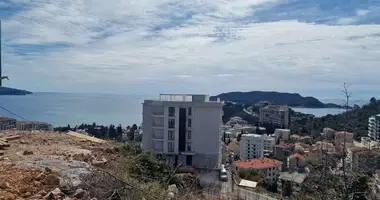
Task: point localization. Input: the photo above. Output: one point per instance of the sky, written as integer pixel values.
(195, 46)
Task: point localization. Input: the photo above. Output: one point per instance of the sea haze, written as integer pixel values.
(71, 108)
(63, 108)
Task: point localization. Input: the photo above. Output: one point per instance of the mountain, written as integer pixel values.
(12, 91)
(290, 99)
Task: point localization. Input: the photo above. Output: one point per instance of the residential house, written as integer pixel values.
(289, 184)
(255, 146)
(343, 140)
(270, 168)
(296, 163)
(7, 123)
(283, 150)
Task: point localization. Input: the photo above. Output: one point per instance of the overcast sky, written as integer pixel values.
(198, 46)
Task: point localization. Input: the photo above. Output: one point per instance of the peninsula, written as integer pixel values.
(290, 99)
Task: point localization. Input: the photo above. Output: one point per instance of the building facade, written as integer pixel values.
(255, 146)
(343, 140)
(7, 123)
(282, 134)
(275, 114)
(374, 127)
(187, 128)
(269, 168)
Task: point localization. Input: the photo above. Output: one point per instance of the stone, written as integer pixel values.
(28, 152)
(173, 188)
(53, 195)
(23, 142)
(37, 184)
(98, 163)
(50, 196)
(26, 195)
(10, 196)
(48, 170)
(1, 153)
(5, 185)
(40, 177)
(51, 179)
(79, 193)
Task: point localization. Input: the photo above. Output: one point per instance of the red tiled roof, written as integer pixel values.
(257, 163)
(305, 137)
(342, 133)
(297, 155)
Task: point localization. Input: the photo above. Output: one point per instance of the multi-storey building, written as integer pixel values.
(269, 168)
(255, 146)
(374, 127)
(7, 123)
(187, 128)
(343, 140)
(275, 114)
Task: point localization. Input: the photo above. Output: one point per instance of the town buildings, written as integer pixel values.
(283, 150)
(187, 128)
(296, 163)
(275, 114)
(289, 184)
(343, 140)
(281, 135)
(255, 146)
(269, 168)
(7, 123)
(374, 127)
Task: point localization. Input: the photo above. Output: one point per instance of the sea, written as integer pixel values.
(61, 109)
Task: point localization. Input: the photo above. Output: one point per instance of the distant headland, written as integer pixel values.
(12, 91)
(290, 99)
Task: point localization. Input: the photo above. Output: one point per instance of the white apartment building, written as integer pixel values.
(187, 128)
(254, 146)
(275, 114)
(374, 127)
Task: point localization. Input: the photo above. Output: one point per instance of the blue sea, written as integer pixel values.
(61, 109)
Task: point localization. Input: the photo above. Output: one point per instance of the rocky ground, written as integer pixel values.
(48, 165)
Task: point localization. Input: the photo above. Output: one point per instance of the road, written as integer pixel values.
(230, 191)
(250, 113)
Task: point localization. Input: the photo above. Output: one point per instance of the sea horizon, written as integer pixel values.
(61, 109)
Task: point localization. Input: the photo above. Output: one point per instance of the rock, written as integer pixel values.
(10, 196)
(37, 184)
(98, 163)
(42, 193)
(40, 177)
(4, 185)
(171, 195)
(51, 179)
(79, 193)
(53, 195)
(28, 152)
(23, 142)
(26, 195)
(1, 153)
(173, 188)
(48, 170)
(108, 150)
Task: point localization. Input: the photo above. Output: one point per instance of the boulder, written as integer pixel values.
(28, 152)
(79, 193)
(51, 179)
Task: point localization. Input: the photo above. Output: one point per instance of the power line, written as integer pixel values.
(15, 114)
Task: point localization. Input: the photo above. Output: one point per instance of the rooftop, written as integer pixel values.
(297, 155)
(343, 132)
(293, 177)
(5, 118)
(286, 145)
(251, 135)
(257, 163)
(187, 98)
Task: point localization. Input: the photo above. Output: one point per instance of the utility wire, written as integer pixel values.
(15, 114)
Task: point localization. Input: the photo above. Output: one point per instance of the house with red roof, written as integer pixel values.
(271, 168)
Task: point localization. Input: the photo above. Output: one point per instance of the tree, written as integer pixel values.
(372, 100)
(238, 138)
(68, 127)
(128, 127)
(224, 137)
(94, 124)
(119, 132)
(134, 127)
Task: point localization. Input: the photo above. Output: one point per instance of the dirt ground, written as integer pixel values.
(37, 162)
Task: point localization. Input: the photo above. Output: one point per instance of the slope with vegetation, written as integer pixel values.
(354, 120)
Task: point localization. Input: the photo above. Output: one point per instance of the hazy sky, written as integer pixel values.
(202, 46)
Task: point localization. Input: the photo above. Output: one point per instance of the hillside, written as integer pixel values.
(290, 99)
(355, 120)
(12, 91)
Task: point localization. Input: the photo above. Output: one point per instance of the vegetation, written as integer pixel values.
(357, 121)
(231, 110)
(12, 91)
(294, 99)
(104, 132)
